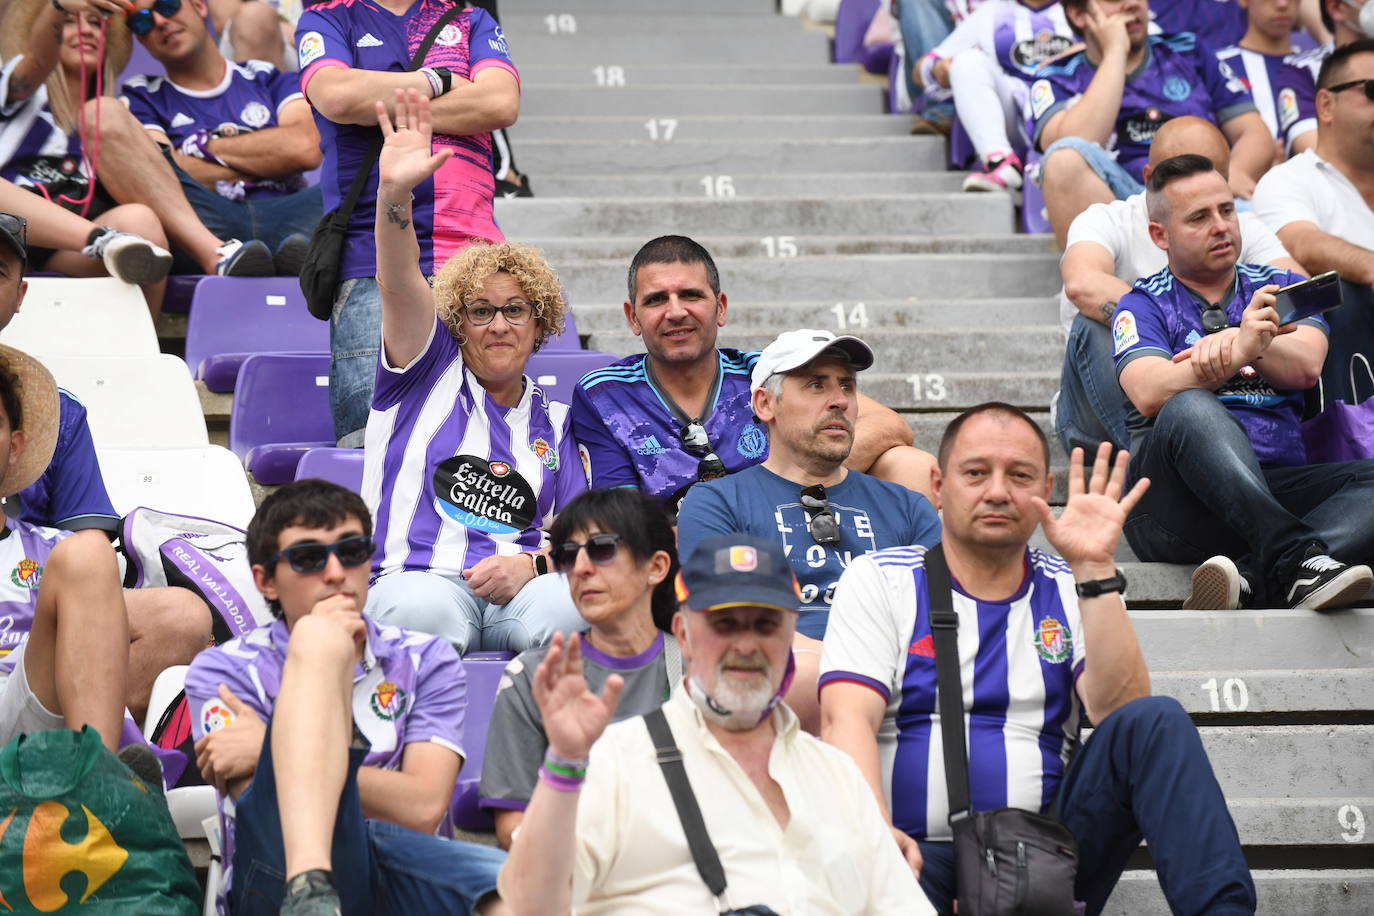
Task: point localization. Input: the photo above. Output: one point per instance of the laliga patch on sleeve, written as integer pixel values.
(586, 457)
(1124, 333)
(1041, 97)
(311, 48)
(1288, 108)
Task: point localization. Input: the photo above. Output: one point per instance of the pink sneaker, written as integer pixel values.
(1001, 172)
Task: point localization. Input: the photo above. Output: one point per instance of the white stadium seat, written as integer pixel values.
(79, 317)
(206, 482)
(134, 401)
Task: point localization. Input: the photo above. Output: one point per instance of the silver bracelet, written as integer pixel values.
(394, 211)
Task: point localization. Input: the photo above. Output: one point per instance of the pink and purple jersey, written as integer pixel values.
(453, 477)
(250, 97)
(1176, 78)
(1019, 661)
(1161, 317)
(630, 437)
(410, 688)
(455, 206)
(24, 551)
(1020, 38)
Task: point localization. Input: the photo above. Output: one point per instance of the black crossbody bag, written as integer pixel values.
(689, 813)
(320, 272)
(1008, 862)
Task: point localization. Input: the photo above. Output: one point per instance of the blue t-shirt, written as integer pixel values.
(1161, 317)
(1217, 23)
(71, 493)
(1175, 79)
(250, 97)
(630, 437)
(873, 514)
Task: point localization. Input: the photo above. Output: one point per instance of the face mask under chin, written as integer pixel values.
(739, 713)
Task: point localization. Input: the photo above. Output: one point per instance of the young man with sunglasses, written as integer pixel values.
(804, 392)
(241, 135)
(1216, 385)
(1321, 202)
(679, 413)
(356, 727)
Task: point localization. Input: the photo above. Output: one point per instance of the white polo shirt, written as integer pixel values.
(836, 855)
(1308, 188)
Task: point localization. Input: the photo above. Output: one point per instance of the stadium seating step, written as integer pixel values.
(862, 317)
(627, 124)
(612, 76)
(708, 156)
(678, 101)
(1328, 892)
(769, 185)
(782, 47)
(711, 7)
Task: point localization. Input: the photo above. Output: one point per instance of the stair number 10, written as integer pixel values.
(1232, 690)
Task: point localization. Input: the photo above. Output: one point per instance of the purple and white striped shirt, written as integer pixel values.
(34, 151)
(453, 477)
(24, 550)
(1019, 660)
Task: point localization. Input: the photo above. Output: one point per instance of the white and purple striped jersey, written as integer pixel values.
(34, 151)
(1269, 78)
(453, 477)
(1019, 661)
(1298, 92)
(24, 550)
(1020, 38)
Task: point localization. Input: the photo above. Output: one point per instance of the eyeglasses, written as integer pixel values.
(1214, 319)
(695, 439)
(601, 549)
(482, 312)
(311, 558)
(16, 226)
(823, 525)
(141, 20)
(1367, 84)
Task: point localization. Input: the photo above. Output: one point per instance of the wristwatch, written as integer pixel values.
(540, 562)
(1095, 587)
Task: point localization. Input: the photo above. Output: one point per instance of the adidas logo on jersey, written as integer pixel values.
(369, 41)
(925, 646)
(180, 120)
(651, 446)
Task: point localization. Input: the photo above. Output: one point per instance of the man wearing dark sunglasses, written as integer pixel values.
(241, 135)
(805, 394)
(1216, 385)
(1321, 203)
(341, 715)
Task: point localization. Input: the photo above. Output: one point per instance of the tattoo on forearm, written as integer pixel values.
(1108, 309)
(393, 214)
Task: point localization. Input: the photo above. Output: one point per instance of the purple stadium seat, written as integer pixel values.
(141, 63)
(181, 289)
(343, 466)
(557, 371)
(851, 22)
(484, 671)
(234, 317)
(280, 412)
(568, 340)
(876, 59)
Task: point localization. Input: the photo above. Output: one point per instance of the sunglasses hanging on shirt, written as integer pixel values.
(695, 439)
(822, 523)
(1214, 319)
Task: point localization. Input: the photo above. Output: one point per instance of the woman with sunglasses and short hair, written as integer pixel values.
(467, 460)
(619, 554)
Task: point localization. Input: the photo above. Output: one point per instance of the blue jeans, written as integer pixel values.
(378, 867)
(1119, 181)
(1142, 774)
(1091, 407)
(355, 339)
(269, 219)
(1208, 495)
(924, 24)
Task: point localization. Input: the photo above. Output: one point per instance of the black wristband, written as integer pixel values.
(444, 73)
(541, 564)
(1095, 587)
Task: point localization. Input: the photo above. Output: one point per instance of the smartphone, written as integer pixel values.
(1310, 297)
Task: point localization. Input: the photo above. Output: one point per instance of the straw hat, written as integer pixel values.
(38, 403)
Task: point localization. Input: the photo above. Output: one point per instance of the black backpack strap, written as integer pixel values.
(355, 190)
(944, 628)
(675, 774)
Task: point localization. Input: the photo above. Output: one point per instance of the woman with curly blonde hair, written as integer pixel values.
(466, 460)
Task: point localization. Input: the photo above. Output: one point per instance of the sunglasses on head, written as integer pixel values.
(311, 558)
(695, 439)
(1367, 84)
(601, 549)
(822, 523)
(141, 20)
(16, 226)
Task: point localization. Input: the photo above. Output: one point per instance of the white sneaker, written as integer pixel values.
(1218, 586)
(129, 257)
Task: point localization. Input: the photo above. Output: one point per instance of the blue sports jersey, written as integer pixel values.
(1175, 79)
(71, 493)
(455, 206)
(1161, 317)
(629, 437)
(1019, 660)
(1217, 23)
(872, 514)
(250, 98)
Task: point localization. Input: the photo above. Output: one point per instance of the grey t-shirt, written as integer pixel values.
(515, 738)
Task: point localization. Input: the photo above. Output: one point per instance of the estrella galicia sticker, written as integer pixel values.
(489, 496)
(1124, 333)
(310, 49)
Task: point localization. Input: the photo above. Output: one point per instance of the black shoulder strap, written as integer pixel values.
(374, 150)
(675, 774)
(944, 627)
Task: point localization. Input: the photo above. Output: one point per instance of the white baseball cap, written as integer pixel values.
(794, 349)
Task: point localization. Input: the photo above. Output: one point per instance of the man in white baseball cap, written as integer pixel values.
(804, 392)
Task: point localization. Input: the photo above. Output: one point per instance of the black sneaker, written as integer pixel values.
(311, 893)
(140, 759)
(1219, 585)
(506, 188)
(290, 255)
(1323, 582)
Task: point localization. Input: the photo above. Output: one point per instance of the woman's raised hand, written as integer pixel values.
(407, 156)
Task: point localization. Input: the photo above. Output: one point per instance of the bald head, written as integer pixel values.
(1182, 136)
